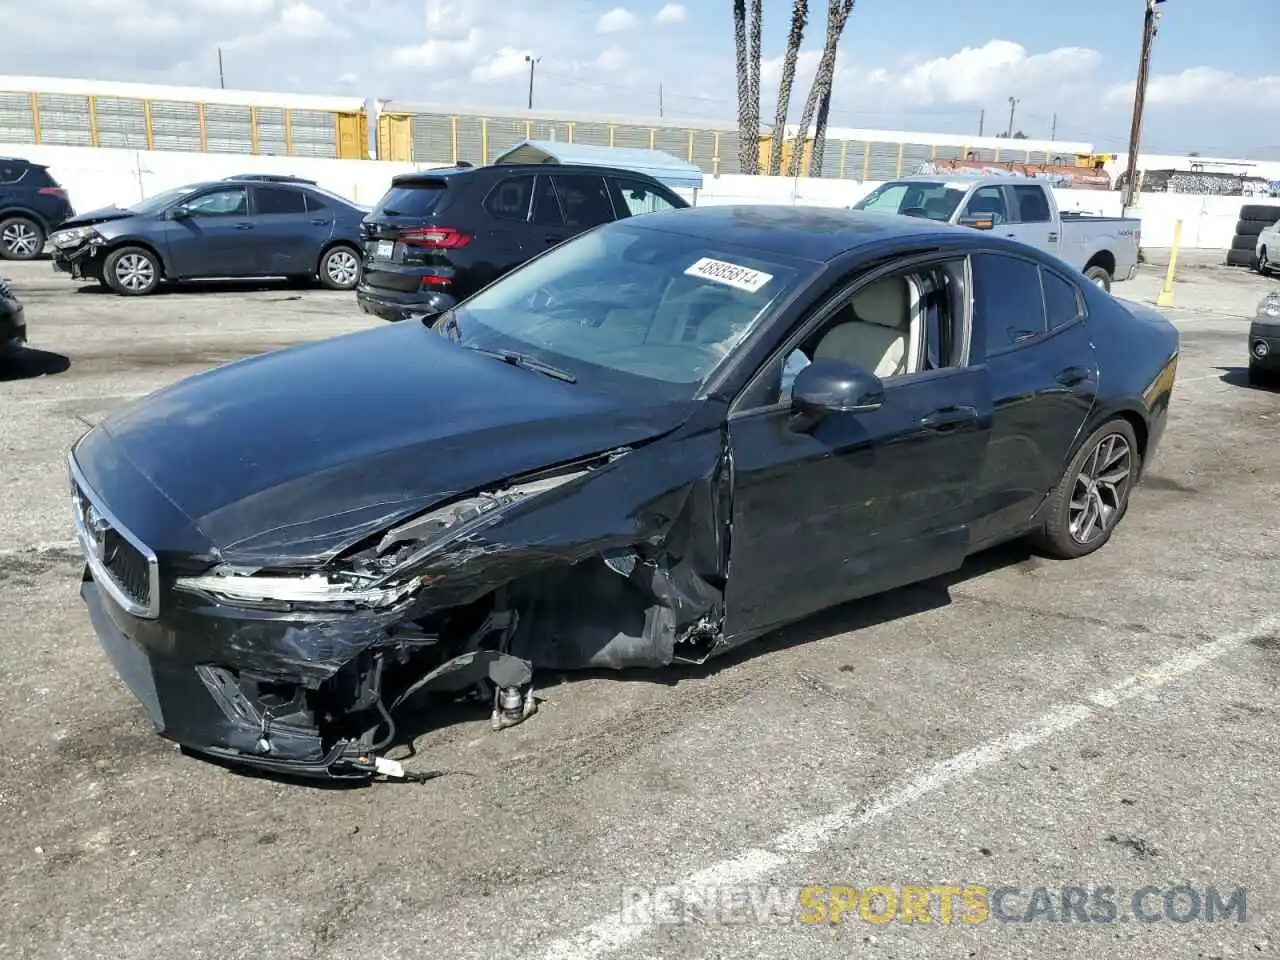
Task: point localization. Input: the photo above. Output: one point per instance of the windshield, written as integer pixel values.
(933, 201)
(161, 200)
(632, 307)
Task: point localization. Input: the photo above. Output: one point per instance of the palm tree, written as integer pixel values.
(799, 18)
(746, 149)
(750, 131)
(837, 16)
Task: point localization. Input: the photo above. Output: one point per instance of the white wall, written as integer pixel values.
(97, 177)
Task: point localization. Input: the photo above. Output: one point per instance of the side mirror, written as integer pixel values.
(977, 221)
(829, 386)
(179, 212)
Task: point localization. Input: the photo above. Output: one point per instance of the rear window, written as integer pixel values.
(412, 199)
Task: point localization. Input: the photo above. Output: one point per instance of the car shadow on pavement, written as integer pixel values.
(29, 363)
(1239, 377)
(208, 286)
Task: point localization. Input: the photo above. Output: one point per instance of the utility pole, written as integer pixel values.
(1149, 25)
(532, 61)
(1053, 130)
(659, 99)
(982, 121)
(1013, 105)
(221, 81)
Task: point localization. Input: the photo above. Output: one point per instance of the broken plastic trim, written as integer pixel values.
(311, 589)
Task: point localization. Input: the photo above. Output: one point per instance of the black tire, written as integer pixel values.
(1056, 537)
(1099, 275)
(1243, 243)
(1263, 263)
(1260, 212)
(1250, 228)
(340, 268)
(132, 271)
(21, 238)
(1240, 258)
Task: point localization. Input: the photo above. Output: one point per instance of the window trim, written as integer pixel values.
(828, 307)
(1048, 332)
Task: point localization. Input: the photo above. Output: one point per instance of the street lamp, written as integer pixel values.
(532, 61)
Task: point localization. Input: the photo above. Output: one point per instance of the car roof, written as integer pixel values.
(509, 169)
(29, 163)
(269, 178)
(808, 232)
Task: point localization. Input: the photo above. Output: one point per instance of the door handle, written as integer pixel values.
(949, 418)
(319, 223)
(1053, 238)
(1072, 376)
(244, 226)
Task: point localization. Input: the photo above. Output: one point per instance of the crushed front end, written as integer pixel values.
(302, 671)
(79, 252)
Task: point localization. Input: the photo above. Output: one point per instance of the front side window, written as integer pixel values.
(635, 308)
(161, 201)
(220, 203)
(988, 202)
(584, 200)
(906, 322)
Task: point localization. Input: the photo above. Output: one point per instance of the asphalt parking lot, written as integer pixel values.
(1111, 721)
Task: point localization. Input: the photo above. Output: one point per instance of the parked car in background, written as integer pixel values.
(1104, 249)
(1266, 252)
(13, 324)
(216, 229)
(32, 205)
(648, 446)
(1264, 342)
(438, 236)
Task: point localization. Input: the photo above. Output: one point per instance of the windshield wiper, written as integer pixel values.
(527, 363)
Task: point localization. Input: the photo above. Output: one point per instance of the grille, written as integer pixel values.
(120, 564)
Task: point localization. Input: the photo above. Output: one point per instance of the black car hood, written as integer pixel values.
(292, 456)
(101, 215)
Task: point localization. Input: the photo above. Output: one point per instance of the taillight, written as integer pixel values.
(59, 192)
(437, 238)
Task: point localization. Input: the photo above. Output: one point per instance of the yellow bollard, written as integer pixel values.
(1166, 295)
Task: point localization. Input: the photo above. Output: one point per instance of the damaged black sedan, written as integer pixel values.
(644, 447)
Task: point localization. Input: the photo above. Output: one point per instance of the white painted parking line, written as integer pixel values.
(615, 931)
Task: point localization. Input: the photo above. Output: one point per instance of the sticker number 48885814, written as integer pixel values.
(730, 274)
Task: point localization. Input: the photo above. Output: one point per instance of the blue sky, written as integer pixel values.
(904, 64)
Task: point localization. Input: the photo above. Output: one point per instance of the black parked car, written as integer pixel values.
(646, 446)
(32, 203)
(438, 236)
(13, 324)
(216, 229)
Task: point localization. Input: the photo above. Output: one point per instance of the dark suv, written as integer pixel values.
(32, 204)
(438, 236)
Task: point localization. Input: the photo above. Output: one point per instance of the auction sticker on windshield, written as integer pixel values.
(730, 274)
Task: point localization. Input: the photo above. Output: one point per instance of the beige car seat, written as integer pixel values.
(876, 336)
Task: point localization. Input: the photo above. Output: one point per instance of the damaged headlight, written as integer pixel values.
(375, 584)
(73, 237)
(309, 590)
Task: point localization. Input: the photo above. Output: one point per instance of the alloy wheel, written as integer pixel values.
(21, 240)
(343, 268)
(135, 272)
(1101, 486)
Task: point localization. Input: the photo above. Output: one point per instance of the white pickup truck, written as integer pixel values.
(1104, 249)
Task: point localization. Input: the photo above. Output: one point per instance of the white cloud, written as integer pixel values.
(992, 72)
(436, 54)
(619, 18)
(671, 13)
(1202, 86)
(503, 65)
(301, 21)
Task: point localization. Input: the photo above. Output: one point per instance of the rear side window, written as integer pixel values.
(314, 203)
(546, 205)
(416, 199)
(584, 200)
(633, 197)
(1033, 205)
(278, 200)
(1007, 300)
(11, 172)
(1062, 302)
(509, 198)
